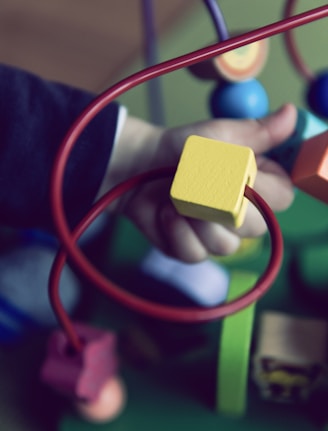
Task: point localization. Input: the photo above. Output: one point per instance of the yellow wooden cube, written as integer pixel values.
(210, 180)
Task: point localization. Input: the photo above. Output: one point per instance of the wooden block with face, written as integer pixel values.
(290, 358)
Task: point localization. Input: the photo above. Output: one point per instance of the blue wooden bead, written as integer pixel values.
(245, 99)
(317, 95)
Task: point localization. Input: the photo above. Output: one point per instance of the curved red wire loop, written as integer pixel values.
(64, 233)
(290, 43)
(156, 310)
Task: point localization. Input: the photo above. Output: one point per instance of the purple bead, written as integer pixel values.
(317, 95)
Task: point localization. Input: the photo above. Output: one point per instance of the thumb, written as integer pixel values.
(274, 129)
(261, 135)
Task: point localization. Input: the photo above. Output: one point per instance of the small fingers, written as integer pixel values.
(178, 238)
(217, 239)
(253, 224)
(193, 240)
(274, 185)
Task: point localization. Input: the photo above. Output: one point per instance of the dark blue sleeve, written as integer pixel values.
(35, 115)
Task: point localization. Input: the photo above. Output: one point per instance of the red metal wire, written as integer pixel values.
(291, 47)
(169, 313)
(68, 238)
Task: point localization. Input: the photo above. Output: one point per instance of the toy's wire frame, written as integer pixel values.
(291, 46)
(68, 239)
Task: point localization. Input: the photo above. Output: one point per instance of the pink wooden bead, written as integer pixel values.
(80, 374)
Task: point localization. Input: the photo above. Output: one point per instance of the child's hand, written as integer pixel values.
(189, 239)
